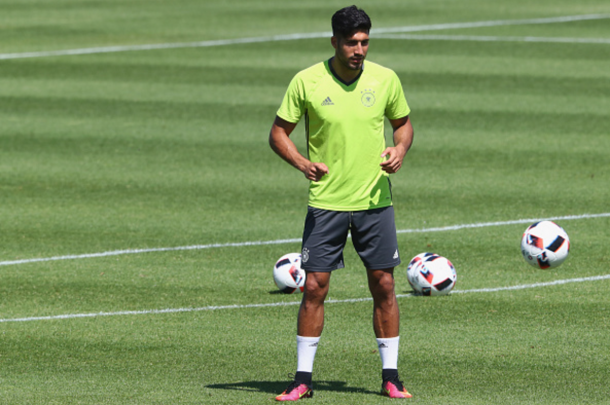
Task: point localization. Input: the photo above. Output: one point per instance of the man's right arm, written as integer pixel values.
(280, 142)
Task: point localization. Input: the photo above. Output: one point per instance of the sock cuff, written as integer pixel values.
(388, 340)
(308, 339)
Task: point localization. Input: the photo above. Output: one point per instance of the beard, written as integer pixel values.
(349, 63)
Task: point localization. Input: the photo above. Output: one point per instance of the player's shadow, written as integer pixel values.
(276, 387)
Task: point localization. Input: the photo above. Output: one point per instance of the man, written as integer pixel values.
(344, 101)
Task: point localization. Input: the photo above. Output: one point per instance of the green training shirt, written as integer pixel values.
(344, 126)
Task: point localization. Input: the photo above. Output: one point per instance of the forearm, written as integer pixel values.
(403, 136)
(280, 142)
(283, 146)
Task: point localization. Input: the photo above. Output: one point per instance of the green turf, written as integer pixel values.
(168, 148)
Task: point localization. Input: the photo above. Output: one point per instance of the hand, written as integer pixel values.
(394, 161)
(315, 171)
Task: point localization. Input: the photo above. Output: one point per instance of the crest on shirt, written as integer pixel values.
(368, 97)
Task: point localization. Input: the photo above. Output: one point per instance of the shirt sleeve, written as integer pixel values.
(397, 103)
(293, 105)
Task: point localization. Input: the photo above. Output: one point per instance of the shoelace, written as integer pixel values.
(396, 381)
(293, 384)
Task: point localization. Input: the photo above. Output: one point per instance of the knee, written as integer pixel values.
(384, 286)
(315, 291)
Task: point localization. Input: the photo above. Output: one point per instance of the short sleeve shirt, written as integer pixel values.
(344, 124)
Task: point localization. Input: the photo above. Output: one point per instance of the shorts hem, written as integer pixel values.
(321, 269)
(383, 265)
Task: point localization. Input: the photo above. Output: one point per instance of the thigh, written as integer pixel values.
(374, 237)
(324, 238)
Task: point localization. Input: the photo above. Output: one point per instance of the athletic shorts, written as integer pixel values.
(373, 235)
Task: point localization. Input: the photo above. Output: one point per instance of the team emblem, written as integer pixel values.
(305, 255)
(368, 97)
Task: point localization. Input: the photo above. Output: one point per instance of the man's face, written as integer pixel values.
(351, 51)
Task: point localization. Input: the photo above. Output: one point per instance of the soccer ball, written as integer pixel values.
(288, 275)
(545, 245)
(431, 274)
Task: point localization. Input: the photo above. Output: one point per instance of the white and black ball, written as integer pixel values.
(545, 245)
(288, 275)
(431, 274)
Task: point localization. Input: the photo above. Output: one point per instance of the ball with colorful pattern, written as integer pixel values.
(545, 245)
(288, 275)
(431, 274)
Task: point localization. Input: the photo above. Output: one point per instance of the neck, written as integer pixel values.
(345, 74)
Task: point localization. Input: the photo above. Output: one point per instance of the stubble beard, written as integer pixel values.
(348, 64)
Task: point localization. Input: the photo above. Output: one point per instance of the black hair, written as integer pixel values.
(349, 20)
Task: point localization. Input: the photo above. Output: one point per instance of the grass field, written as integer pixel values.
(109, 156)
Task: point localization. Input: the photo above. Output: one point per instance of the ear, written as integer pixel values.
(334, 42)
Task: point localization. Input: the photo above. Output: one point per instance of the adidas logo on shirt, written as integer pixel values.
(327, 101)
(395, 255)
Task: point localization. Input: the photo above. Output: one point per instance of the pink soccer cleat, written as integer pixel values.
(393, 388)
(295, 391)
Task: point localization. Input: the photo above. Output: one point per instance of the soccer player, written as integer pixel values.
(344, 101)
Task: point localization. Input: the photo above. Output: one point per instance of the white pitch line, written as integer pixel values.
(292, 303)
(503, 223)
(291, 37)
(293, 240)
(137, 251)
(536, 285)
(494, 23)
(495, 39)
(148, 47)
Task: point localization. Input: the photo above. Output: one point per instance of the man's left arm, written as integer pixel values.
(403, 138)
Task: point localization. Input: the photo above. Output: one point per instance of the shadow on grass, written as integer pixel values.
(276, 387)
(276, 292)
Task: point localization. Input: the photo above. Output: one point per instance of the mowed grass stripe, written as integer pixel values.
(151, 73)
(294, 303)
(132, 110)
(505, 83)
(512, 121)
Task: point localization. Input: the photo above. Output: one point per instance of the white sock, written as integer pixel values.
(388, 350)
(306, 352)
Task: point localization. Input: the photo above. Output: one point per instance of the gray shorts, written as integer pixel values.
(373, 235)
